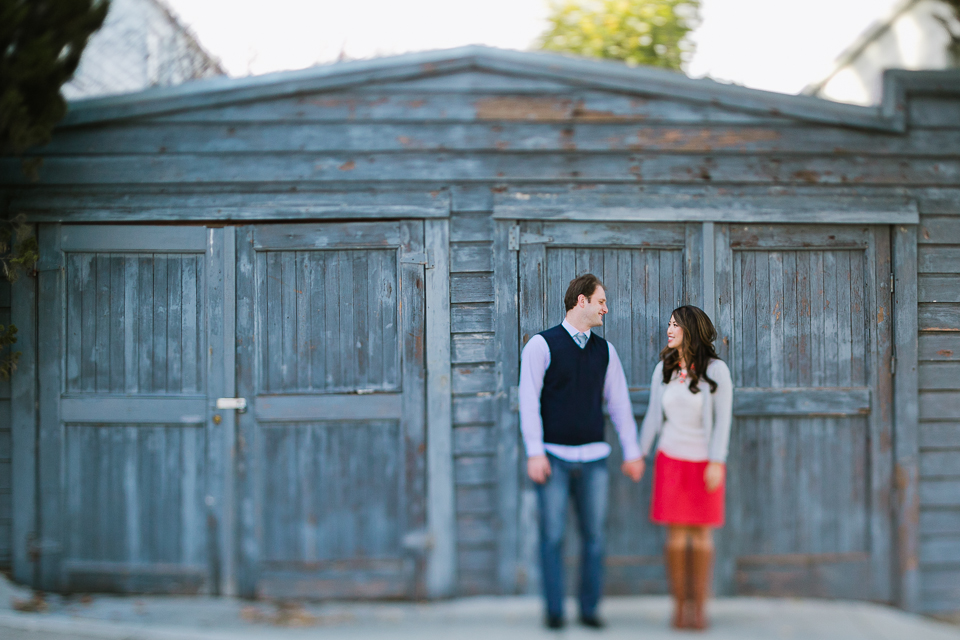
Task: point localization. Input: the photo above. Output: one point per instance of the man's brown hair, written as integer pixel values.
(585, 285)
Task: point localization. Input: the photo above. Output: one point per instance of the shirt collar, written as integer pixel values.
(572, 330)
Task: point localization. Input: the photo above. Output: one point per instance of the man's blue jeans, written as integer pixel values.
(587, 483)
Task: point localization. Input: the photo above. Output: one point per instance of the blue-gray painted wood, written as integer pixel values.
(295, 169)
(221, 383)
(441, 569)
(23, 422)
(307, 297)
(50, 292)
(146, 238)
(783, 305)
(391, 139)
(645, 275)
(787, 401)
(907, 416)
(131, 430)
(508, 448)
(255, 203)
(541, 66)
(619, 207)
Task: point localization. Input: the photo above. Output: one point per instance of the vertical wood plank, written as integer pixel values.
(191, 351)
(441, 567)
(117, 322)
(23, 422)
(507, 289)
(132, 305)
(249, 285)
(50, 326)
(724, 580)
(881, 416)
(413, 421)
(159, 339)
(145, 335)
(906, 417)
(708, 269)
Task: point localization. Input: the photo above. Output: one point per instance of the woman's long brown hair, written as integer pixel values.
(697, 346)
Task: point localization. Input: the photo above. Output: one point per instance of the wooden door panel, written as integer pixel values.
(331, 321)
(130, 426)
(803, 327)
(134, 323)
(331, 360)
(645, 274)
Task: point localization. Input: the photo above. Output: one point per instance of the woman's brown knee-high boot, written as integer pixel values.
(677, 569)
(701, 566)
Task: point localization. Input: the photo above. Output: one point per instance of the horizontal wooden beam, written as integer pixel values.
(328, 408)
(801, 402)
(303, 170)
(783, 402)
(133, 410)
(252, 203)
(529, 205)
(133, 238)
(346, 235)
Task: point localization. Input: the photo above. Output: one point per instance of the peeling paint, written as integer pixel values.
(349, 165)
(523, 108)
(699, 139)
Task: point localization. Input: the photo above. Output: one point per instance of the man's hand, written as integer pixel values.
(538, 468)
(633, 469)
(713, 475)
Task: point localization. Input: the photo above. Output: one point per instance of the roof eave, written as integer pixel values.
(572, 70)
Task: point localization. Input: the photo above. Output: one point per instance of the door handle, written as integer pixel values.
(240, 404)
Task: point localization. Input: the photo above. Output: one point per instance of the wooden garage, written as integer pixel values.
(272, 343)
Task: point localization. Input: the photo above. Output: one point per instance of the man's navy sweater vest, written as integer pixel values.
(571, 403)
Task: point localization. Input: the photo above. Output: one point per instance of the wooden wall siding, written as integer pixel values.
(800, 321)
(801, 486)
(643, 286)
(6, 447)
(939, 437)
(134, 323)
(134, 496)
(331, 320)
(335, 493)
(495, 131)
(473, 380)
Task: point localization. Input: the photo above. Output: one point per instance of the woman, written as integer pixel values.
(691, 402)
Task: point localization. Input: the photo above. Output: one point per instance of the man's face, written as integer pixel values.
(593, 308)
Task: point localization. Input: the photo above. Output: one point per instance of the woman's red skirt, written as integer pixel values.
(680, 494)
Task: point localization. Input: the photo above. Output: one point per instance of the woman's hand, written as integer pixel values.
(713, 475)
(633, 469)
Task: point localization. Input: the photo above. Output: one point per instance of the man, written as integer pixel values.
(567, 373)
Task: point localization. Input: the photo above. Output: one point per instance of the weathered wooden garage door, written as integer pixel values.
(126, 451)
(648, 270)
(804, 317)
(331, 454)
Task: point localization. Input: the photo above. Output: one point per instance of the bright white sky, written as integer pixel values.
(779, 45)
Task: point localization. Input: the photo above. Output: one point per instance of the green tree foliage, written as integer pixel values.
(40, 46)
(953, 47)
(41, 42)
(18, 254)
(647, 32)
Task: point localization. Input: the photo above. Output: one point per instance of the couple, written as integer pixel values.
(567, 374)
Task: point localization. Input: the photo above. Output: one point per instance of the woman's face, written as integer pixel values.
(674, 334)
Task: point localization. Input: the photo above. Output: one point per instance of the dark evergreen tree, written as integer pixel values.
(41, 42)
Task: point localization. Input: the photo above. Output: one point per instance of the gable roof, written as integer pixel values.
(575, 71)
